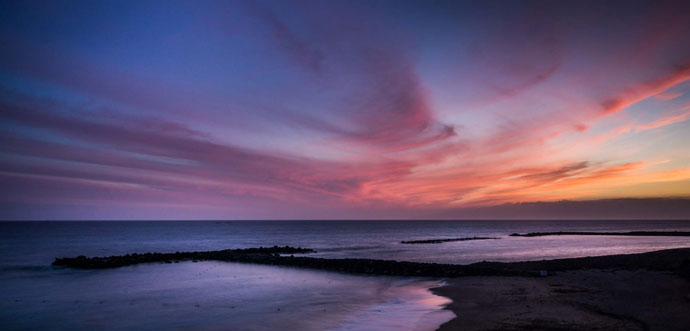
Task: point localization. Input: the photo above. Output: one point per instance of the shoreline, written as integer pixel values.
(406, 304)
(591, 299)
(646, 291)
(674, 260)
(594, 233)
(643, 291)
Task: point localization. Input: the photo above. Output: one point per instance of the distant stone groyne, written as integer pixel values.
(439, 241)
(631, 233)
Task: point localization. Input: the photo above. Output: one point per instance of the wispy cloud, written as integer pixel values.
(640, 91)
(664, 121)
(352, 108)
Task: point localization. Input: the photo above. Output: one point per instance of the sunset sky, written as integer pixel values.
(337, 109)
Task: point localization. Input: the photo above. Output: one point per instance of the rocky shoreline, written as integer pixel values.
(673, 260)
(630, 233)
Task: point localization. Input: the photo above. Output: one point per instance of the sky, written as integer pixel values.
(338, 109)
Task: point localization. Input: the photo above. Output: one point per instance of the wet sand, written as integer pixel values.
(596, 299)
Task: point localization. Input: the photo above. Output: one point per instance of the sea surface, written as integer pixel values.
(236, 296)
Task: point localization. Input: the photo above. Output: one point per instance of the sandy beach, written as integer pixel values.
(596, 299)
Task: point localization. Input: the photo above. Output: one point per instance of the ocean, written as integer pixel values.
(235, 296)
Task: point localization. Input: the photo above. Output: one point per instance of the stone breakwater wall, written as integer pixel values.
(83, 262)
(443, 240)
(631, 233)
(674, 260)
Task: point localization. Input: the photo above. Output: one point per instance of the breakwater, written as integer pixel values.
(83, 262)
(439, 241)
(674, 260)
(630, 233)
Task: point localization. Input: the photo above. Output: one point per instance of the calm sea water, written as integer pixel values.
(234, 296)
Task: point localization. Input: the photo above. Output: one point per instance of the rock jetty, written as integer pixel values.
(439, 241)
(631, 233)
(83, 262)
(674, 260)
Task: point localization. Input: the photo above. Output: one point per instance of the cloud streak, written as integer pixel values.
(339, 110)
(638, 92)
(664, 121)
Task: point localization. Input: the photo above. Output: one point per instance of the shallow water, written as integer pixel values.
(211, 296)
(219, 295)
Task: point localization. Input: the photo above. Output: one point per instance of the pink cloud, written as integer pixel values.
(637, 92)
(664, 121)
(667, 95)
